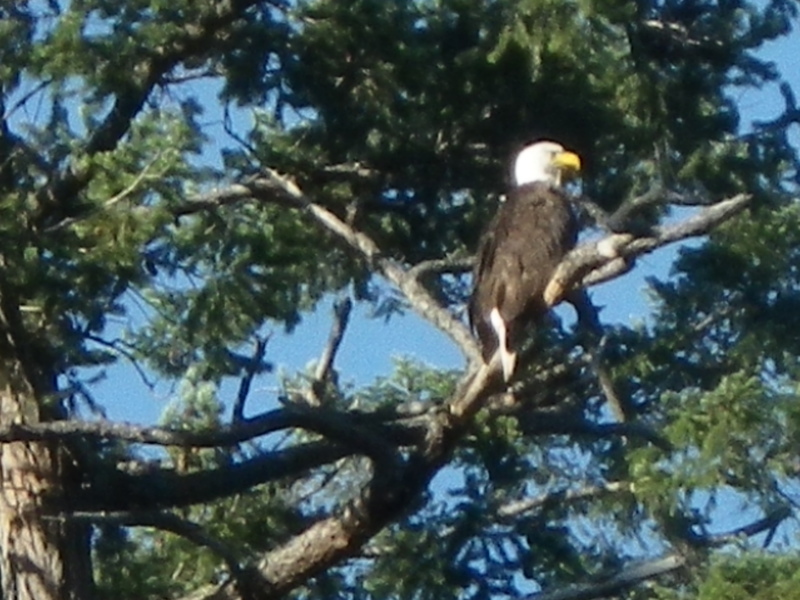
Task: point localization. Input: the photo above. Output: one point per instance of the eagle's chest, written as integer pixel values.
(538, 229)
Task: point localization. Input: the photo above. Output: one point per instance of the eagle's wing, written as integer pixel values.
(517, 255)
(490, 277)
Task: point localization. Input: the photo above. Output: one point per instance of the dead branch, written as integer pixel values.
(440, 266)
(595, 262)
(324, 369)
(251, 371)
(621, 581)
(518, 507)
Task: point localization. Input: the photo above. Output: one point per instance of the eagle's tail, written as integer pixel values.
(508, 358)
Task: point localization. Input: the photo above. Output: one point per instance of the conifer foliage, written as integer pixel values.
(180, 180)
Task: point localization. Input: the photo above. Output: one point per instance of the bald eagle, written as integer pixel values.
(520, 249)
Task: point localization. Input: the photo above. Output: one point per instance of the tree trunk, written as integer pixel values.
(31, 562)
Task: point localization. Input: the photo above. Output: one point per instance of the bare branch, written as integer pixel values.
(420, 299)
(323, 372)
(251, 371)
(455, 266)
(643, 571)
(518, 507)
(596, 262)
(621, 581)
(474, 389)
(769, 522)
(334, 425)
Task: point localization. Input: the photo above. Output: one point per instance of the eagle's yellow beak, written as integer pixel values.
(568, 162)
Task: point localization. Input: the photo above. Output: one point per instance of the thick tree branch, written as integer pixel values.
(388, 494)
(111, 490)
(335, 426)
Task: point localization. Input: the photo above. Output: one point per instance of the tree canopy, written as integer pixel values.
(179, 180)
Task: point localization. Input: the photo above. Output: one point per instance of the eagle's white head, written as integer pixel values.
(545, 161)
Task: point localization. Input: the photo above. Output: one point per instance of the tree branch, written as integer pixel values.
(621, 581)
(518, 507)
(420, 299)
(595, 262)
(167, 522)
(251, 370)
(455, 266)
(629, 577)
(554, 423)
(111, 490)
(335, 425)
(324, 369)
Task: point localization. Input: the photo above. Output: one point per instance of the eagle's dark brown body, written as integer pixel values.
(519, 252)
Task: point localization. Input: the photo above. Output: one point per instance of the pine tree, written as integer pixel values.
(224, 168)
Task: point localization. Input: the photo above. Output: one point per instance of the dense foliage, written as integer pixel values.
(126, 129)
